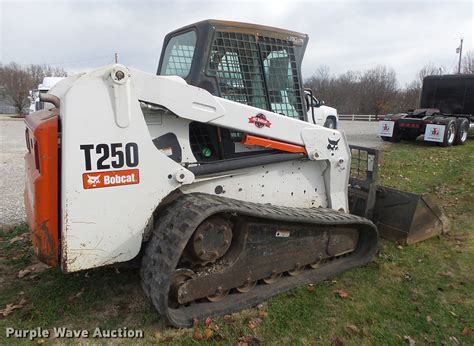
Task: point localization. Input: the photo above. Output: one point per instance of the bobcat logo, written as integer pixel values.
(435, 131)
(385, 127)
(333, 145)
(93, 180)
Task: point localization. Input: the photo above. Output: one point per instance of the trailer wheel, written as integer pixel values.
(449, 134)
(462, 130)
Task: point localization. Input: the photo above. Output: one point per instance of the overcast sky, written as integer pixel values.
(344, 35)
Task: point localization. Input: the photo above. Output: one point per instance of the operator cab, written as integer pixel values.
(252, 64)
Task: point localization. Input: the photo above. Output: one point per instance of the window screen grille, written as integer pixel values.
(260, 74)
(281, 76)
(179, 55)
(235, 61)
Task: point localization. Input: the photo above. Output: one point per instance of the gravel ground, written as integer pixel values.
(363, 133)
(12, 150)
(12, 168)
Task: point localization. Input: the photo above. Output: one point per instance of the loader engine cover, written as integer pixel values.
(41, 184)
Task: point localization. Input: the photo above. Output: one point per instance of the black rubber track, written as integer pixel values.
(177, 223)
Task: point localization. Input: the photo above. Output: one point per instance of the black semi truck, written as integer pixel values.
(445, 114)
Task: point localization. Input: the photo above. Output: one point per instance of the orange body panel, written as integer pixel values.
(41, 185)
(272, 144)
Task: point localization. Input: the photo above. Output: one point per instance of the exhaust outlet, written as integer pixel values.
(45, 97)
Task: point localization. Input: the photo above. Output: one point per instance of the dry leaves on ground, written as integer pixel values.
(342, 294)
(352, 329)
(34, 268)
(409, 340)
(10, 307)
(255, 322)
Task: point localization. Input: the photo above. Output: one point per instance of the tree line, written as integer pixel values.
(374, 91)
(16, 81)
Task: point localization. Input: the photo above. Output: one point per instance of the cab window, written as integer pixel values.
(179, 54)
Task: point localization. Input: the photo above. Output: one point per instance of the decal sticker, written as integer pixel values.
(333, 145)
(434, 133)
(111, 178)
(386, 128)
(106, 156)
(260, 120)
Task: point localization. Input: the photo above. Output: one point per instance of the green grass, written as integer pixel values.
(423, 291)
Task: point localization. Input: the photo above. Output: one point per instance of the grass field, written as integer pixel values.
(418, 294)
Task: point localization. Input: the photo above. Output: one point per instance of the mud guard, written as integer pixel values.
(399, 215)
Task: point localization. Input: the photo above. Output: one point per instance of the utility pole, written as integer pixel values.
(459, 50)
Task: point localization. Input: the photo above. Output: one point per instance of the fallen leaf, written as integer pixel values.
(399, 247)
(10, 307)
(409, 340)
(158, 335)
(429, 339)
(254, 323)
(262, 313)
(77, 295)
(247, 340)
(467, 332)
(342, 294)
(337, 342)
(352, 329)
(197, 335)
(429, 319)
(448, 274)
(34, 268)
(208, 321)
(208, 333)
(15, 239)
(311, 288)
(454, 341)
(453, 313)
(228, 319)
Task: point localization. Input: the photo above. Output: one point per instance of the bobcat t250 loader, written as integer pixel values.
(208, 172)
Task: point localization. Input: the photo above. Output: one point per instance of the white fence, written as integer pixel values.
(360, 117)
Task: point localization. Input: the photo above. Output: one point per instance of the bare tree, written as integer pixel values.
(468, 62)
(16, 81)
(378, 90)
(430, 70)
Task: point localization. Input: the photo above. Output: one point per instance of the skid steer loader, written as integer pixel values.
(208, 172)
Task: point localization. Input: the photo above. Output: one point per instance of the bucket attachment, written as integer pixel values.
(407, 217)
(402, 216)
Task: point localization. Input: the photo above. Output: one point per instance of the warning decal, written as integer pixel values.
(96, 180)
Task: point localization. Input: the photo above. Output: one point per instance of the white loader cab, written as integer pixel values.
(319, 114)
(48, 83)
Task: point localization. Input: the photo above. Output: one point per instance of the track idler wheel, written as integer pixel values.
(297, 271)
(272, 278)
(219, 296)
(246, 286)
(180, 276)
(318, 263)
